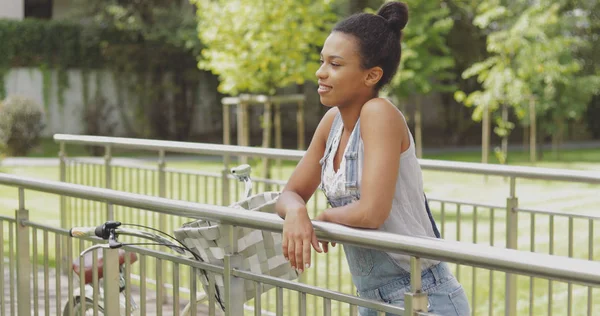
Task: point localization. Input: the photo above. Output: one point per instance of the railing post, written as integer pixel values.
(226, 157)
(225, 198)
(108, 178)
(23, 259)
(63, 178)
(162, 218)
(64, 220)
(162, 187)
(234, 286)
(512, 233)
(415, 300)
(111, 282)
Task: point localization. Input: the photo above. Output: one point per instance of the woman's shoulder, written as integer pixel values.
(326, 122)
(377, 109)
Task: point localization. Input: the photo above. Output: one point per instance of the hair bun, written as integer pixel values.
(395, 13)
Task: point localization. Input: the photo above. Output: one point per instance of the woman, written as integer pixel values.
(363, 155)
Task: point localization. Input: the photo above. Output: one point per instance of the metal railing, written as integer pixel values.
(499, 223)
(24, 248)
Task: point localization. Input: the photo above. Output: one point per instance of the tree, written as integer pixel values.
(152, 35)
(533, 65)
(426, 62)
(257, 46)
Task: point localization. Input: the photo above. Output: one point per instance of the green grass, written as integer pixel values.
(558, 196)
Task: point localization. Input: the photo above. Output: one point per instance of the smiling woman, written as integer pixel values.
(363, 157)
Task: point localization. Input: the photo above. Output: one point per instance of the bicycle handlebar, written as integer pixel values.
(83, 231)
(104, 231)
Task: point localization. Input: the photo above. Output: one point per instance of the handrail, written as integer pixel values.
(521, 262)
(427, 164)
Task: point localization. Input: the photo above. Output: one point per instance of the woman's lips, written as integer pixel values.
(324, 89)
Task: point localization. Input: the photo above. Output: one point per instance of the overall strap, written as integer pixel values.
(351, 157)
(335, 126)
(436, 231)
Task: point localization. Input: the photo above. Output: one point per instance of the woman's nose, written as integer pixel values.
(321, 73)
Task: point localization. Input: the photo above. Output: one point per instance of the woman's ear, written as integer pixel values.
(373, 76)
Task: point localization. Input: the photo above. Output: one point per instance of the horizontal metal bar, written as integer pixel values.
(115, 162)
(461, 202)
(556, 213)
(251, 99)
(175, 258)
(426, 164)
(53, 229)
(7, 219)
(133, 248)
(194, 173)
(535, 173)
(317, 291)
(179, 147)
(269, 181)
(532, 264)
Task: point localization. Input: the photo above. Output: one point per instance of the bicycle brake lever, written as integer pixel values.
(112, 240)
(94, 247)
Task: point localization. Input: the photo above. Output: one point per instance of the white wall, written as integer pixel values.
(69, 119)
(14, 9)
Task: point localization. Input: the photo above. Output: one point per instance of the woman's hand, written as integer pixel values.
(323, 218)
(298, 236)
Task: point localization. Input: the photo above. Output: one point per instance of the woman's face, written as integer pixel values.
(341, 76)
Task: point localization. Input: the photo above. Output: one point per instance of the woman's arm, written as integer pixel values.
(298, 232)
(382, 129)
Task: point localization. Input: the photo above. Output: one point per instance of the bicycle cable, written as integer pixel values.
(183, 246)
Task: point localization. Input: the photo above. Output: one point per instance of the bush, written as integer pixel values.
(2, 138)
(20, 125)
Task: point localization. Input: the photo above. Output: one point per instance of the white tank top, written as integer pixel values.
(408, 215)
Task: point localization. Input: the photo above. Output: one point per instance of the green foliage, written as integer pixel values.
(155, 65)
(534, 58)
(20, 124)
(47, 45)
(141, 42)
(257, 46)
(426, 62)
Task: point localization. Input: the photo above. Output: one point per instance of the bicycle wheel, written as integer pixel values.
(88, 308)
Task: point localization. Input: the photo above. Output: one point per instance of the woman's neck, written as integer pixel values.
(351, 112)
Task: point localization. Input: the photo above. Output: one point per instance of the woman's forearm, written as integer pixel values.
(289, 201)
(353, 215)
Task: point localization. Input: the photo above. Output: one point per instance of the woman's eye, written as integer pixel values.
(321, 61)
(334, 64)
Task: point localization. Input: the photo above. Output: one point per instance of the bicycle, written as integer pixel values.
(83, 301)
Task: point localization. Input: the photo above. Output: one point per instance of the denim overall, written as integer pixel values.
(375, 273)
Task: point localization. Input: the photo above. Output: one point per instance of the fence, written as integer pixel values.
(24, 253)
(502, 223)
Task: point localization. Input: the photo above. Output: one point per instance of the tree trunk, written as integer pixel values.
(485, 135)
(418, 127)
(557, 136)
(505, 137)
(532, 131)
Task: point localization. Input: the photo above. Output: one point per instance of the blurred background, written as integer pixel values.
(496, 81)
(477, 77)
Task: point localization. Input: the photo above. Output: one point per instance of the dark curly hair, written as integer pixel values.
(378, 36)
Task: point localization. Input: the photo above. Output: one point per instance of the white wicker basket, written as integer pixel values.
(260, 250)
